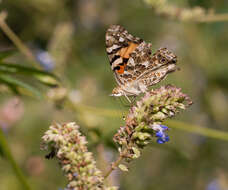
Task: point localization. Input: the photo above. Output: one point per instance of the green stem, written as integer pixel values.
(98, 111)
(213, 133)
(214, 18)
(113, 166)
(7, 153)
(15, 39)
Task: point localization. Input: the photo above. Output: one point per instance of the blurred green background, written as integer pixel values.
(67, 39)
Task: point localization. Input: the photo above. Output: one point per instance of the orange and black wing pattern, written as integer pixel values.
(131, 58)
(119, 46)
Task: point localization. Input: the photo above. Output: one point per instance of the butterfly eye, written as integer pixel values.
(159, 55)
(174, 60)
(163, 60)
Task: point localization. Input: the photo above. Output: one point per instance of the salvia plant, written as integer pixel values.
(78, 164)
(143, 124)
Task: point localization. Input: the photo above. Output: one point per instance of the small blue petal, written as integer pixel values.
(167, 138)
(45, 60)
(159, 134)
(164, 127)
(213, 185)
(160, 141)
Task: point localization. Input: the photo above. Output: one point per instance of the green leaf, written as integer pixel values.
(47, 80)
(44, 77)
(6, 53)
(14, 84)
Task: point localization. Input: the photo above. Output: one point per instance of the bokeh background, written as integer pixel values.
(67, 38)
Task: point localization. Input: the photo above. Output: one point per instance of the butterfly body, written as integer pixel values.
(135, 69)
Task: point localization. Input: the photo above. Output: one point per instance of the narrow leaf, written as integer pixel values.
(44, 77)
(6, 53)
(12, 82)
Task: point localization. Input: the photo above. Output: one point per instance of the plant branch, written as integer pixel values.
(98, 111)
(114, 165)
(195, 14)
(214, 18)
(204, 131)
(15, 39)
(7, 153)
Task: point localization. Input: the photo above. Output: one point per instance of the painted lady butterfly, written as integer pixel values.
(134, 68)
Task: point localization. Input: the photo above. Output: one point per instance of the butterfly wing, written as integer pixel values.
(162, 62)
(131, 61)
(119, 45)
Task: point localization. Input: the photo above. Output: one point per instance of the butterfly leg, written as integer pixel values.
(134, 99)
(127, 98)
(124, 102)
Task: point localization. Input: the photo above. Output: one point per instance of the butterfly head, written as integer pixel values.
(117, 92)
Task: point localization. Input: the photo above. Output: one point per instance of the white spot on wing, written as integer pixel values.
(131, 61)
(110, 49)
(121, 39)
(117, 62)
(146, 63)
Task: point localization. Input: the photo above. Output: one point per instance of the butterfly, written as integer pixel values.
(135, 68)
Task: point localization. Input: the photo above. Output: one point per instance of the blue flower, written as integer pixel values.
(161, 134)
(213, 185)
(164, 127)
(45, 60)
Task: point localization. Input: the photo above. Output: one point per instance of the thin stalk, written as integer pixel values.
(7, 154)
(103, 162)
(15, 39)
(98, 111)
(214, 18)
(204, 131)
(113, 166)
